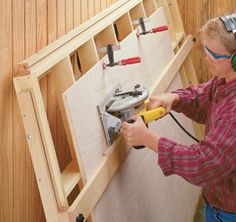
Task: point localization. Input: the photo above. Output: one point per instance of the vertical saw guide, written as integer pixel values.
(119, 106)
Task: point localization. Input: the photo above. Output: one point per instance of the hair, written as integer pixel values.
(215, 29)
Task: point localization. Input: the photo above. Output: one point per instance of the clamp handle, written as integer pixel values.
(131, 60)
(160, 29)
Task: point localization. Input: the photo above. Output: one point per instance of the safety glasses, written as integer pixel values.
(214, 55)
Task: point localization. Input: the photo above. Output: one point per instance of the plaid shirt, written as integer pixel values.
(211, 163)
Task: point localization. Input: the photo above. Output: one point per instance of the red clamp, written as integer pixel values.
(142, 21)
(110, 52)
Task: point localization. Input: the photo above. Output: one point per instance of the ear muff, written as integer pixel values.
(233, 61)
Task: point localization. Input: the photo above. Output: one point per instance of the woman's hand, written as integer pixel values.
(137, 134)
(165, 100)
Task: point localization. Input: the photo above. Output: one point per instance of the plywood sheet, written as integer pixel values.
(138, 191)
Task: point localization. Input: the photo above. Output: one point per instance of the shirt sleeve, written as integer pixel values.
(195, 100)
(204, 163)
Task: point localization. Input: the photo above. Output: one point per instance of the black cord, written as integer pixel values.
(178, 123)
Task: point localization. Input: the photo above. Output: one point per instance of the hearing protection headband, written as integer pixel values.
(230, 23)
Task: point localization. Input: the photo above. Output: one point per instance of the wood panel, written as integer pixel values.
(6, 113)
(20, 154)
(52, 20)
(77, 19)
(69, 15)
(30, 25)
(61, 17)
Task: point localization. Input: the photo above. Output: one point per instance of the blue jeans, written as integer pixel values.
(213, 214)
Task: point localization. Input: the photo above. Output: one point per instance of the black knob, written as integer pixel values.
(137, 86)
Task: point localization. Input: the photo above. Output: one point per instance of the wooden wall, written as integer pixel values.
(25, 28)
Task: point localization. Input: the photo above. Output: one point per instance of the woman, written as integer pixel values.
(211, 163)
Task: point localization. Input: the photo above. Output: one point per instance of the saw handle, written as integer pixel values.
(135, 147)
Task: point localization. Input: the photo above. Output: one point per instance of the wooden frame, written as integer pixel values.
(54, 185)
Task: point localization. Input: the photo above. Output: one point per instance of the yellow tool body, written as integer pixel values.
(152, 114)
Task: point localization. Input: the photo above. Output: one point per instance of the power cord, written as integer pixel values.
(179, 124)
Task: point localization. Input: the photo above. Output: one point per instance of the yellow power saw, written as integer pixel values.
(119, 106)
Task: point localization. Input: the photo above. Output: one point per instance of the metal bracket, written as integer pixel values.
(110, 122)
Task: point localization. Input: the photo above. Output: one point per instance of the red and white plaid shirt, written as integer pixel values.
(211, 163)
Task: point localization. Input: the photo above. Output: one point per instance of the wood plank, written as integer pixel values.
(38, 156)
(61, 82)
(88, 55)
(41, 27)
(84, 11)
(220, 8)
(69, 15)
(52, 20)
(6, 113)
(71, 177)
(53, 114)
(30, 28)
(97, 6)
(106, 36)
(164, 4)
(103, 4)
(35, 208)
(25, 44)
(176, 17)
(41, 24)
(21, 155)
(61, 18)
(124, 26)
(91, 9)
(192, 26)
(181, 6)
(77, 7)
(149, 6)
(45, 135)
